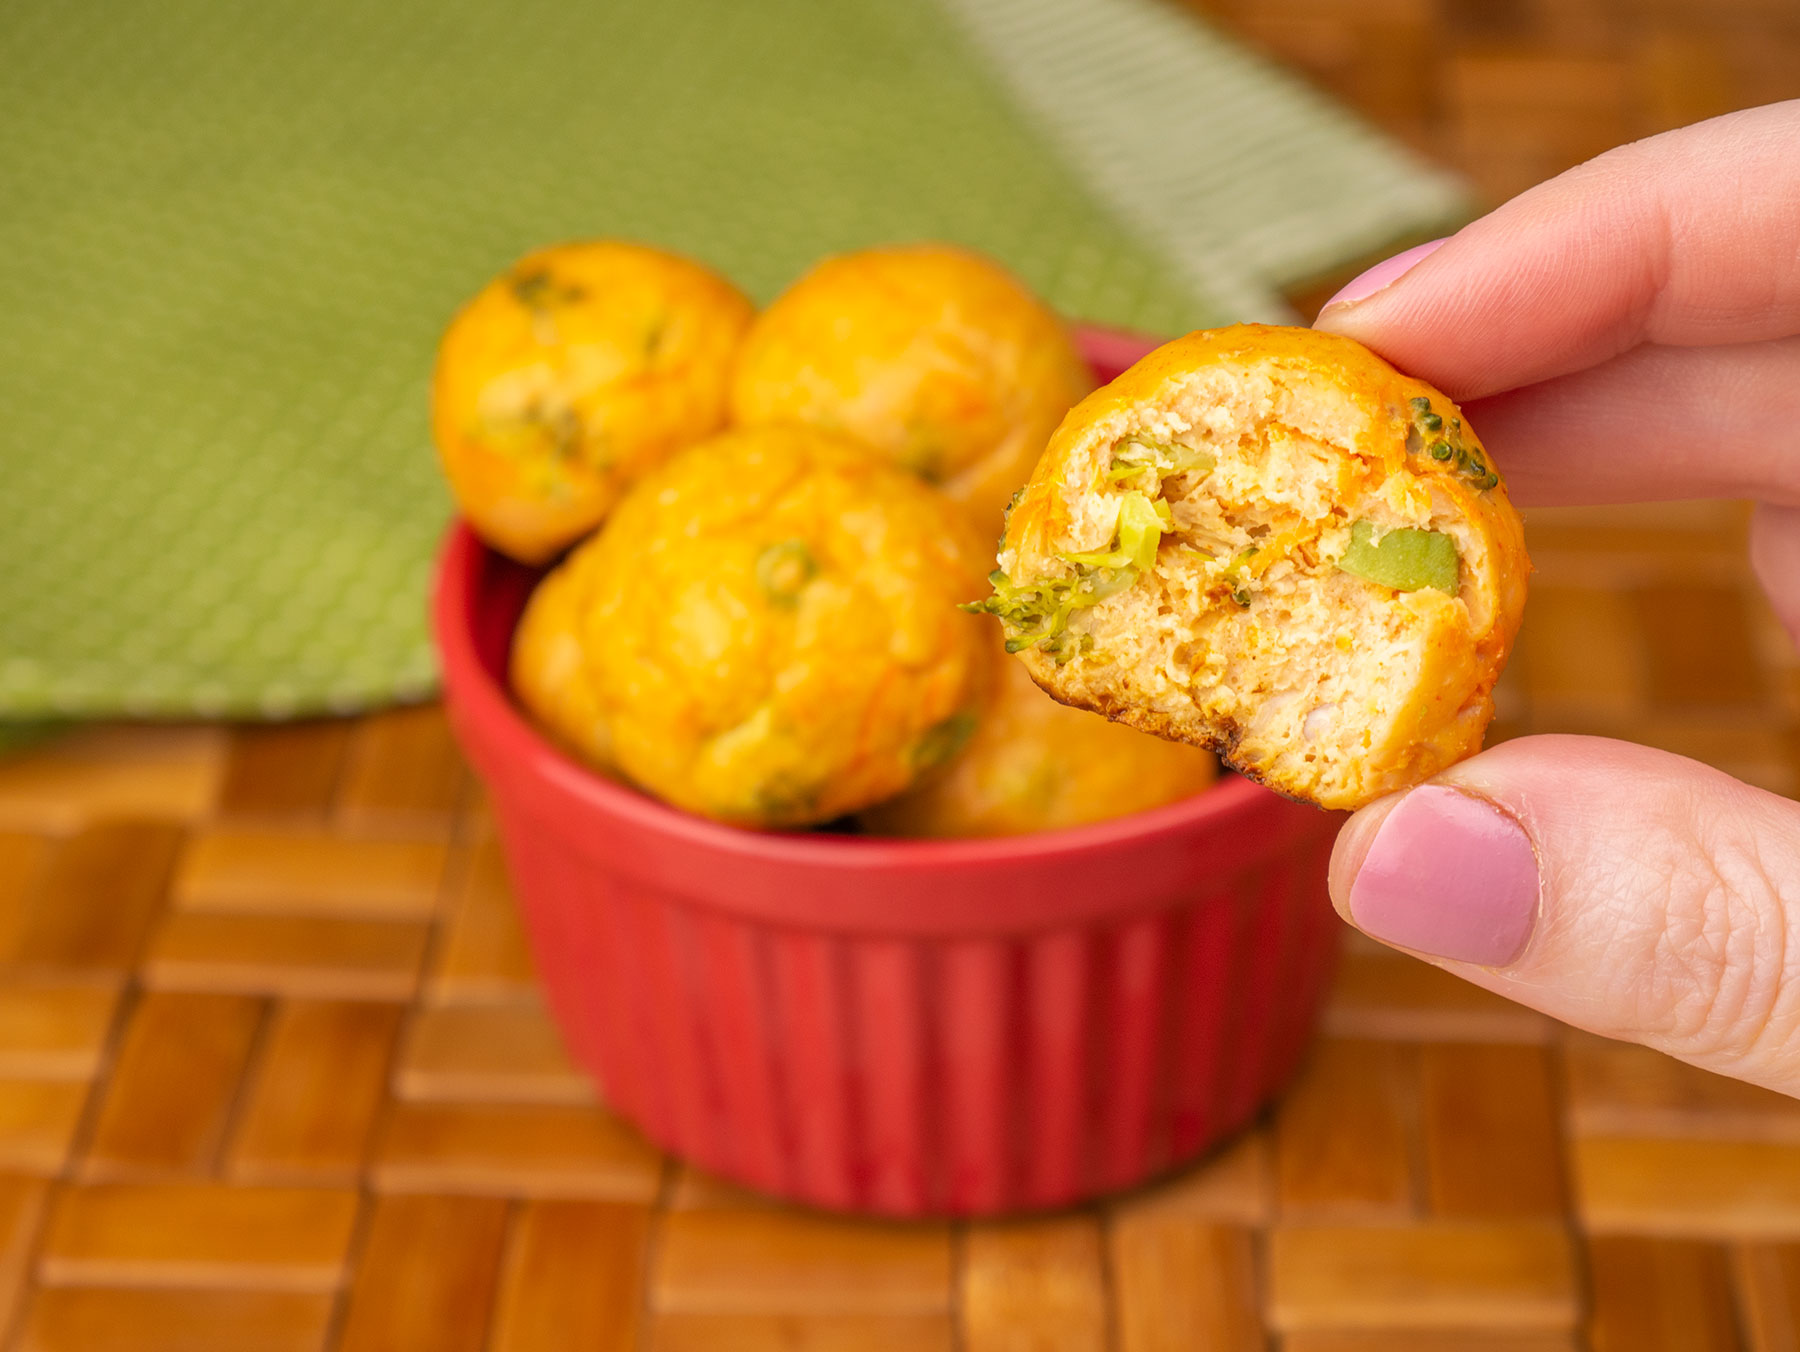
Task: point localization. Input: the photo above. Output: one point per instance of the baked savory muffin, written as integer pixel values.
(1036, 765)
(1269, 542)
(567, 377)
(765, 631)
(934, 354)
(550, 671)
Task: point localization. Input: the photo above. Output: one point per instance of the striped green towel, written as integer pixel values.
(232, 234)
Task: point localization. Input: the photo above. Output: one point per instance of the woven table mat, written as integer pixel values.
(233, 233)
(275, 1073)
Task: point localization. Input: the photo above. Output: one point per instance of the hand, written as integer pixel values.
(1629, 331)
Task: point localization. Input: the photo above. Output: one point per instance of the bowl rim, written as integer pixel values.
(503, 741)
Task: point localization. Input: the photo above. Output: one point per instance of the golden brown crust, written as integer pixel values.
(1359, 419)
(549, 670)
(569, 376)
(766, 631)
(1035, 764)
(931, 353)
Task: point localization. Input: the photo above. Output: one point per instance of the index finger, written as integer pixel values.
(1691, 238)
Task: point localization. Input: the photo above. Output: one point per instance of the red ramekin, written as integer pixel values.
(906, 1027)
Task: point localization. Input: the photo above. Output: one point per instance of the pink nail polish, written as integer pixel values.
(1449, 875)
(1384, 273)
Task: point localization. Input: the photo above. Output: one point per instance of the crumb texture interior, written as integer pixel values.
(1244, 626)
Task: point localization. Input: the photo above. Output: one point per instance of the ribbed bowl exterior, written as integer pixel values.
(908, 1028)
(925, 1075)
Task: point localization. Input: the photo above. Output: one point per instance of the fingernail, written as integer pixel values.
(1384, 273)
(1449, 875)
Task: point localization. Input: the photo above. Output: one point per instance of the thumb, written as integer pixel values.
(1627, 891)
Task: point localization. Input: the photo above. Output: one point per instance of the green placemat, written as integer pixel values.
(232, 232)
(1243, 177)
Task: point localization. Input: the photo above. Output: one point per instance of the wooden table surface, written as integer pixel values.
(274, 1073)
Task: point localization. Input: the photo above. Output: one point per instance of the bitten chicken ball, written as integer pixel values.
(1269, 542)
(766, 631)
(572, 374)
(933, 354)
(1036, 765)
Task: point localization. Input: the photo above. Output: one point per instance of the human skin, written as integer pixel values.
(1629, 331)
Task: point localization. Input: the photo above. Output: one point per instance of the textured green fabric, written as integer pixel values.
(1245, 178)
(230, 234)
